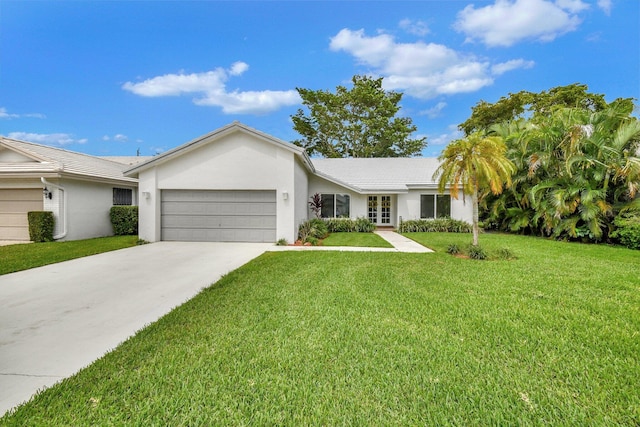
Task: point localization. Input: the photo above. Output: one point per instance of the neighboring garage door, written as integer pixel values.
(14, 205)
(219, 216)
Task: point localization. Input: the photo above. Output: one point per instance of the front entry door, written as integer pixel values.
(380, 210)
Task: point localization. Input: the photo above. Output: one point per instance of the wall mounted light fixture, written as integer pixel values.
(47, 194)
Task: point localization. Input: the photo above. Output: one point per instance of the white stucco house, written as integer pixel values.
(239, 184)
(79, 189)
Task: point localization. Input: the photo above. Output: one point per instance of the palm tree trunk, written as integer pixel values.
(476, 228)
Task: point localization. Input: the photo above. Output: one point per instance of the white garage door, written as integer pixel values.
(219, 216)
(14, 205)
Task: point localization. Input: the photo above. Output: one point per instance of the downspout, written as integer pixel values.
(64, 207)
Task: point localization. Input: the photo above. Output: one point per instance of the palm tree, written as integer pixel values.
(477, 164)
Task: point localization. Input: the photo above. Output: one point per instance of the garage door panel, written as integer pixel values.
(13, 220)
(14, 205)
(219, 215)
(220, 208)
(218, 235)
(218, 196)
(227, 221)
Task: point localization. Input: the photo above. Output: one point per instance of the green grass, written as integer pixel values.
(326, 338)
(368, 240)
(24, 256)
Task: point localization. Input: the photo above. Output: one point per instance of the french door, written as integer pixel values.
(379, 210)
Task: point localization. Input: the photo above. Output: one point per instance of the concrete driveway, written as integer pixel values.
(57, 319)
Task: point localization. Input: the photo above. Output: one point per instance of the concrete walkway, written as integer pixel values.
(57, 319)
(399, 242)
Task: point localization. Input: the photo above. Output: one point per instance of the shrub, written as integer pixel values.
(350, 225)
(312, 229)
(506, 253)
(442, 225)
(124, 220)
(453, 249)
(41, 225)
(476, 252)
(312, 240)
(363, 225)
(282, 242)
(319, 228)
(627, 231)
(340, 225)
(316, 204)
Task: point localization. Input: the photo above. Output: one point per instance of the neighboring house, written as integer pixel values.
(239, 184)
(79, 189)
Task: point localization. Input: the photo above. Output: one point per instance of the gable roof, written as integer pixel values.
(376, 175)
(42, 160)
(211, 137)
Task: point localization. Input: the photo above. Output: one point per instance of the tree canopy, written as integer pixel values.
(577, 169)
(526, 104)
(357, 122)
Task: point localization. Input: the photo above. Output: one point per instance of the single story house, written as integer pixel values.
(239, 184)
(79, 189)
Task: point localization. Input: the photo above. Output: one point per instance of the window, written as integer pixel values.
(122, 196)
(335, 205)
(435, 206)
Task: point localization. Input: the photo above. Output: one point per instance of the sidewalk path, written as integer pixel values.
(399, 242)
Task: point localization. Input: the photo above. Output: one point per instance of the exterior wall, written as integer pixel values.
(80, 208)
(87, 206)
(320, 185)
(404, 205)
(409, 206)
(234, 162)
(301, 194)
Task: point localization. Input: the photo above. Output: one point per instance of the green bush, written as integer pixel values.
(312, 230)
(453, 249)
(506, 253)
(124, 220)
(363, 225)
(627, 231)
(41, 225)
(350, 225)
(441, 225)
(476, 252)
(319, 228)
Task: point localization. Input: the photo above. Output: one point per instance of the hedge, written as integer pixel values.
(124, 220)
(41, 225)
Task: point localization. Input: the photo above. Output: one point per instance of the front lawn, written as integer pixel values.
(24, 256)
(346, 338)
(367, 240)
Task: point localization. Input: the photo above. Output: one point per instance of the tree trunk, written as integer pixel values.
(475, 227)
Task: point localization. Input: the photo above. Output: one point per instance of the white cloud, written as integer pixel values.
(120, 137)
(4, 114)
(435, 111)
(422, 70)
(59, 139)
(211, 86)
(605, 5)
(417, 28)
(508, 22)
(445, 138)
(513, 64)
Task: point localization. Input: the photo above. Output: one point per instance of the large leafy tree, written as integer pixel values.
(357, 122)
(526, 104)
(478, 165)
(576, 169)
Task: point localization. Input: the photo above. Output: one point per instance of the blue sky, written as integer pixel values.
(115, 77)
